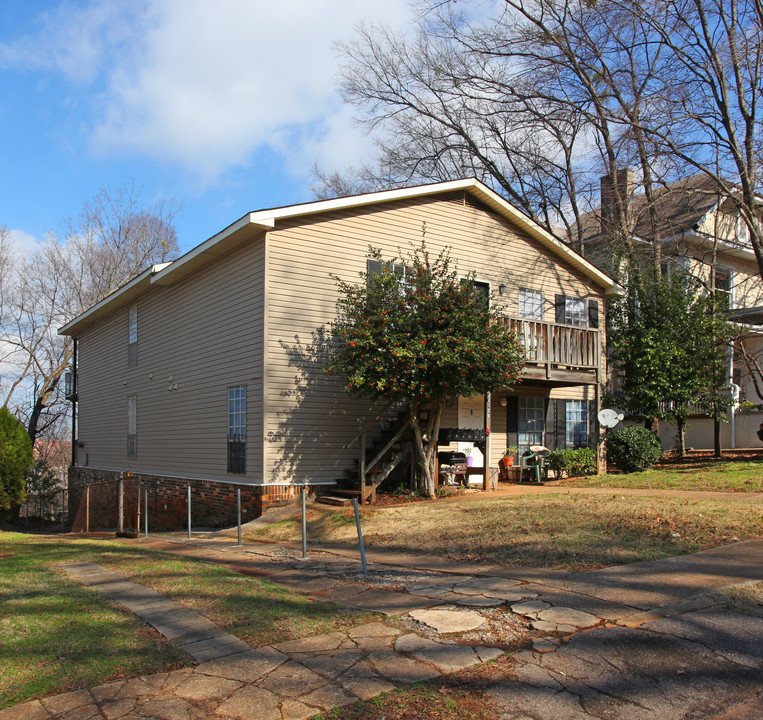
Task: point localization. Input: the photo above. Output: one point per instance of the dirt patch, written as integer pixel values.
(502, 629)
(449, 700)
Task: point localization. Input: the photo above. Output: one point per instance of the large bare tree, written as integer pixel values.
(113, 239)
(543, 97)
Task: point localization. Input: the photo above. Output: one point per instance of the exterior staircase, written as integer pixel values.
(392, 453)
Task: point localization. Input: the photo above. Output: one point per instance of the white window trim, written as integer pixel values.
(541, 304)
(572, 318)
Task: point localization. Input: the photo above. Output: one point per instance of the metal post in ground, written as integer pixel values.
(145, 513)
(304, 522)
(87, 509)
(189, 512)
(121, 518)
(360, 536)
(64, 505)
(238, 513)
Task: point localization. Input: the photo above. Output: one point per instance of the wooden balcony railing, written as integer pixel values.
(554, 345)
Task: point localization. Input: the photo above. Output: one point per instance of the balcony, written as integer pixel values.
(70, 386)
(562, 354)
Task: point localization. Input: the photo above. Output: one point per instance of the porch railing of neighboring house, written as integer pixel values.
(668, 406)
(553, 344)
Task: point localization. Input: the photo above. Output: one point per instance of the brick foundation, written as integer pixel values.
(213, 504)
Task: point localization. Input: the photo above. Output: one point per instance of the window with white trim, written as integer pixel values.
(724, 285)
(237, 429)
(132, 426)
(576, 424)
(531, 422)
(132, 334)
(530, 304)
(575, 311)
(481, 290)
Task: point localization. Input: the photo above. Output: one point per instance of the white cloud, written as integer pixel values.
(210, 84)
(72, 40)
(23, 243)
(206, 84)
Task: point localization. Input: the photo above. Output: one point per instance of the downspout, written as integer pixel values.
(74, 404)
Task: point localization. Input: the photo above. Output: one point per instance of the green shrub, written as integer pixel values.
(15, 460)
(633, 448)
(572, 462)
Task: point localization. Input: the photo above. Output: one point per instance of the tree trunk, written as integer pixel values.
(427, 454)
(717, 437)
(653, 425)
(680, 436)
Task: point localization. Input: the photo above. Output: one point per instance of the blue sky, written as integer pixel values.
(223, 106)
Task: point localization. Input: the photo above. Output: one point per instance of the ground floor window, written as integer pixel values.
(132, 426)
(576, 434)
(531, 413)
(237, 429)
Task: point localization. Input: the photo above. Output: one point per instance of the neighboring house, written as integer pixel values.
(701, 235)
(209, 370)
(56, 454)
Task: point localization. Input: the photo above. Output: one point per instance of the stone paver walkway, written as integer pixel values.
(638, 641)
(286, 681)
(199, 637)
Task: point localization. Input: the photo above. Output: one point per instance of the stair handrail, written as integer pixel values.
(383, 451)
(368, 425)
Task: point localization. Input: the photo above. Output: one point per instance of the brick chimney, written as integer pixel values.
(623, 186)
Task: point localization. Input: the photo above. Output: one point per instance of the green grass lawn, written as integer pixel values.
(560, 530)
(58, 635)
(719, 476)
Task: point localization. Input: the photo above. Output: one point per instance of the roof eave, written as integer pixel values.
(254, 223)
(123, 295)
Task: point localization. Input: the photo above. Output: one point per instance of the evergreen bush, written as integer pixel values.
(15, 459)
(633, 448)
(572, 462)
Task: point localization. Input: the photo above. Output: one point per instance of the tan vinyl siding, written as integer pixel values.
(194, 340)
(308, 418)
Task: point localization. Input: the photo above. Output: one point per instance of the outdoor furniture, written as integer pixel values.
(515, 473)
(535, 459)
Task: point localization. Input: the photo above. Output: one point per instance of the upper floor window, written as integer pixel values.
(724, 286)
(676, 268)
(575, 312)
(530, 304)
(237, 429)
(132, 335)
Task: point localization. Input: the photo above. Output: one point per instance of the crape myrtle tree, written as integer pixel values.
(417, 333)
(669, 348)
(539, 98)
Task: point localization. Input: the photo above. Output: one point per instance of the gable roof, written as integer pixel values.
(254, 223)
(681, 207)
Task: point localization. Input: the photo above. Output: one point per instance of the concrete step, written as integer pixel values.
(333, 500)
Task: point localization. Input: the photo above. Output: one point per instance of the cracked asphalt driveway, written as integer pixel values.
(700, 665)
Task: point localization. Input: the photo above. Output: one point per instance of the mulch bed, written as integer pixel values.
(703, 457)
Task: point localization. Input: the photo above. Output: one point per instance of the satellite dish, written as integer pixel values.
(609, 417)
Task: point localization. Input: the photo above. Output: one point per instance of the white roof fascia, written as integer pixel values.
(191, 255)
(724, 245)
(124, 290)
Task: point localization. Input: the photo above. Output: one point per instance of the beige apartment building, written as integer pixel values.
(208, 371)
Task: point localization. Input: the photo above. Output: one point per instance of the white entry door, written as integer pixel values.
(471, 416)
